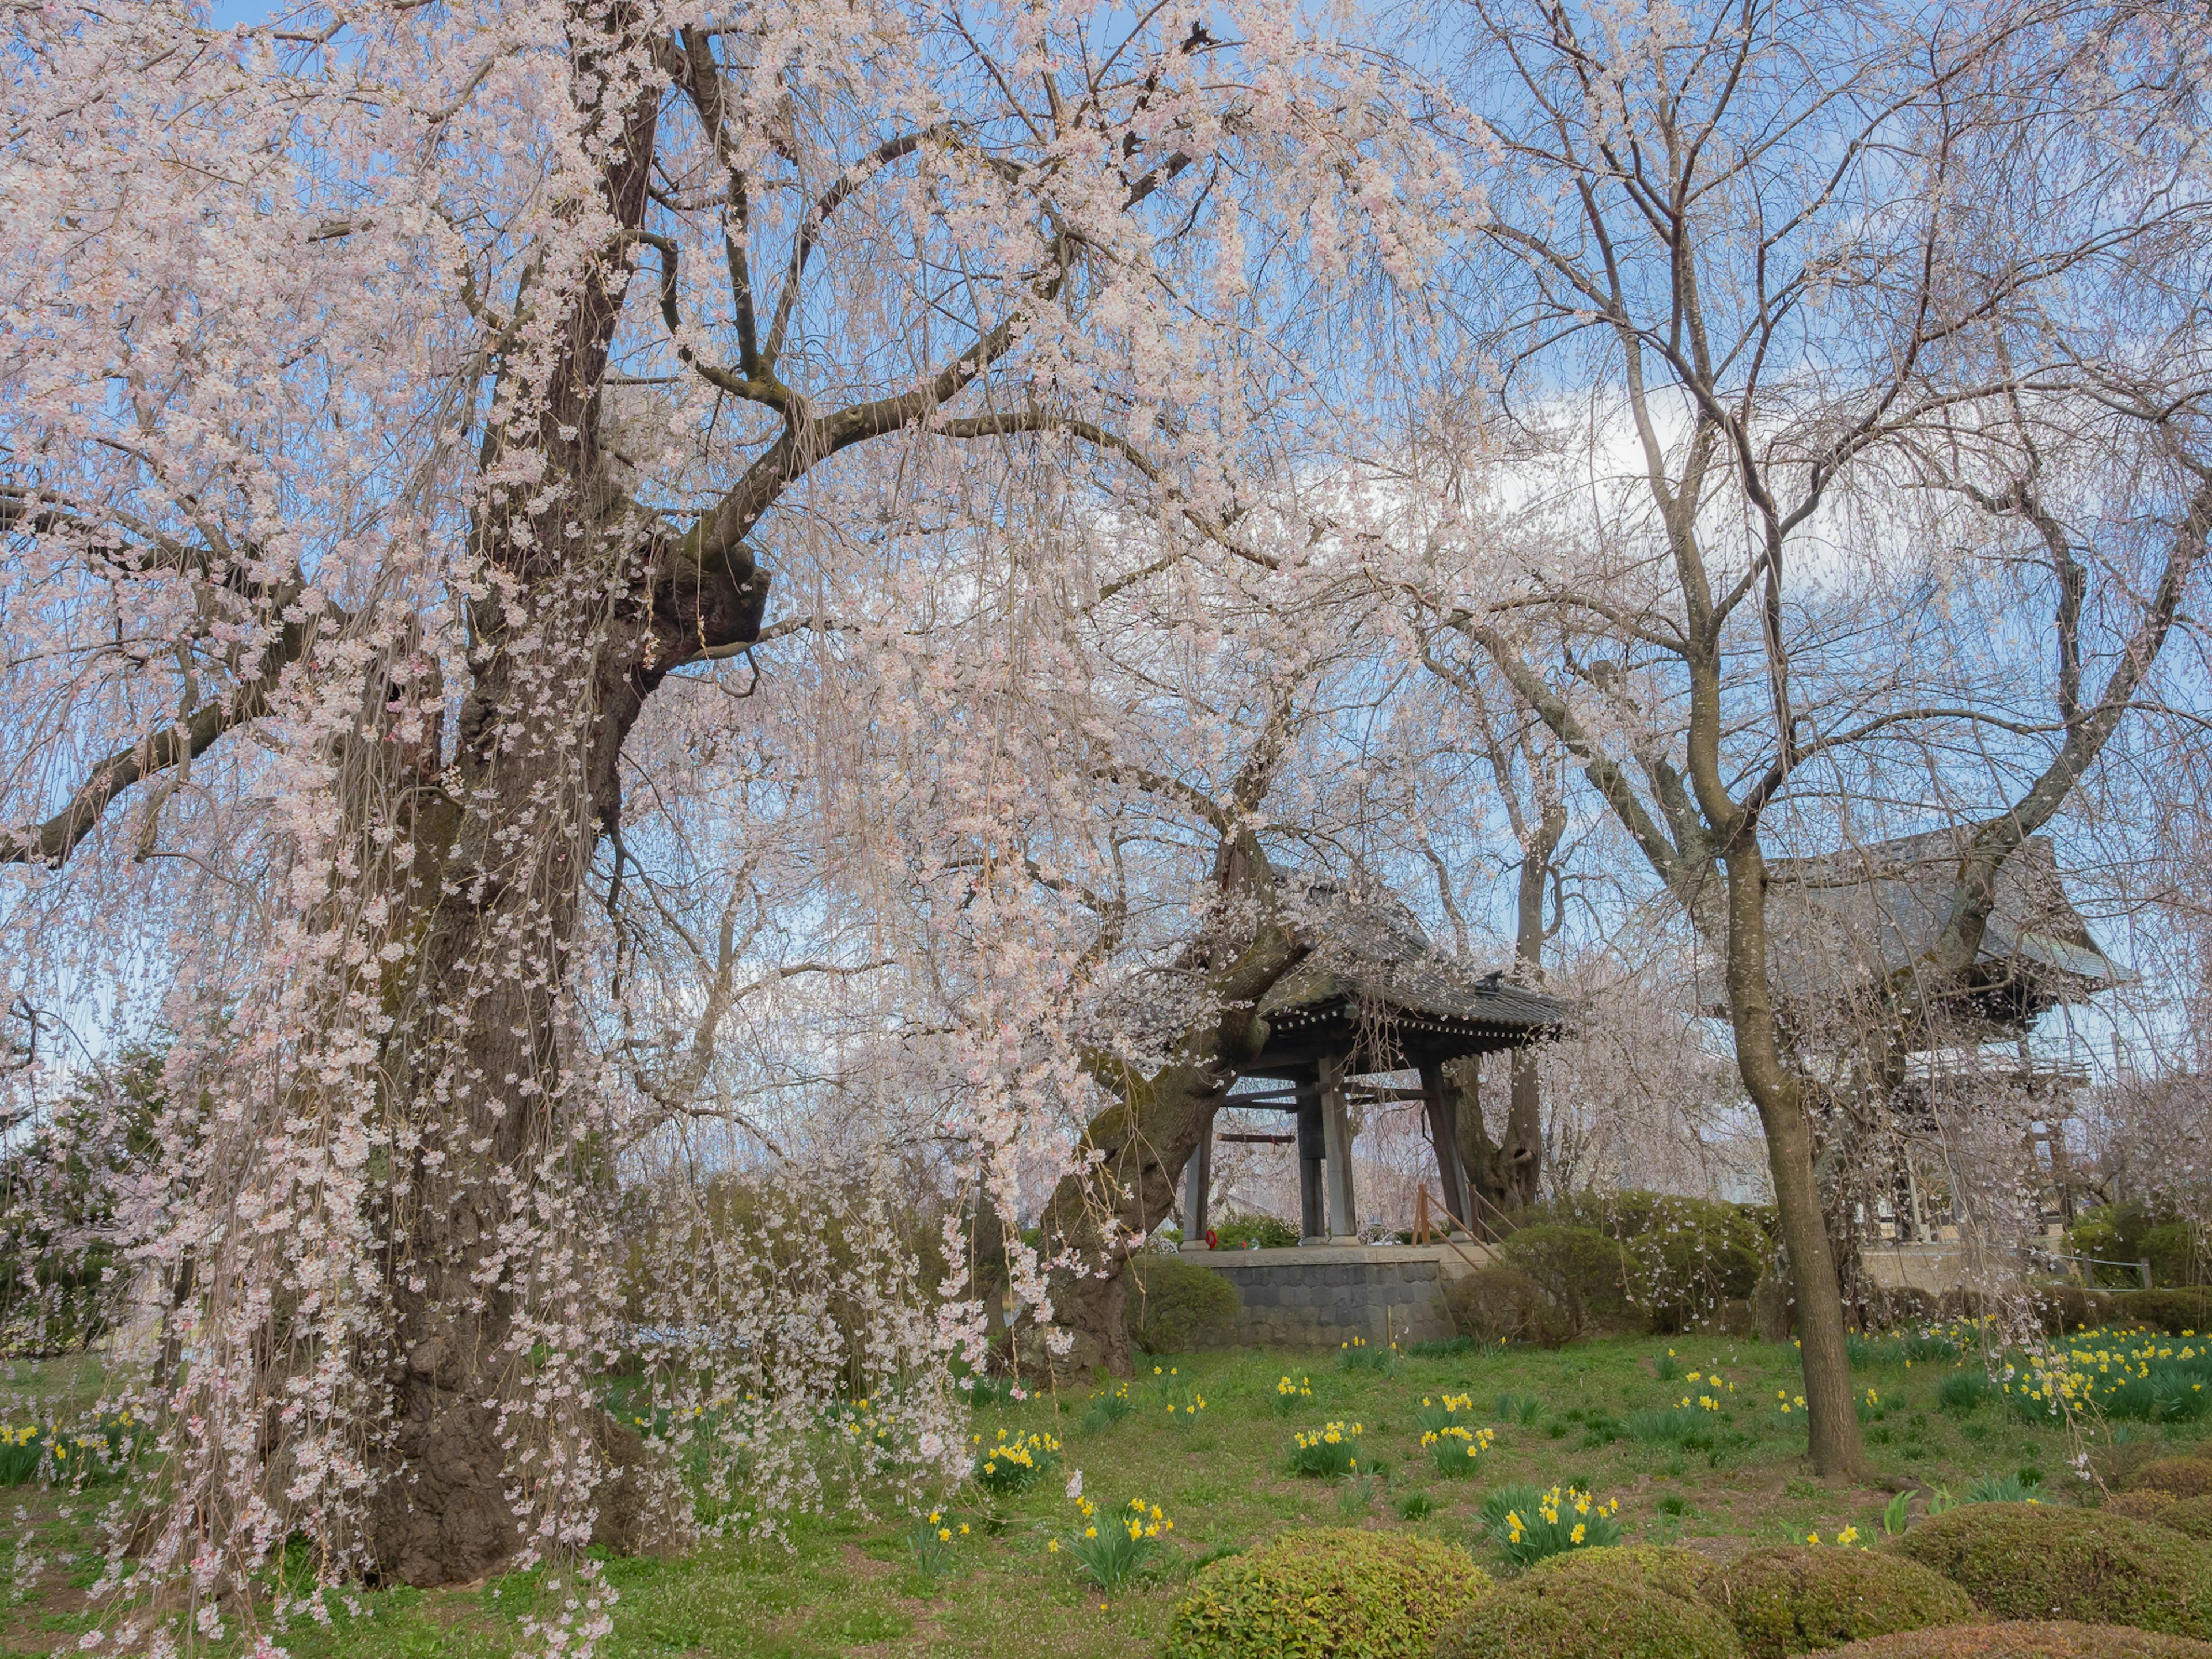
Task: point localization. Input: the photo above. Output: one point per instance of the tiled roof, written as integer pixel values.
(1844, 919)
(1371, 955)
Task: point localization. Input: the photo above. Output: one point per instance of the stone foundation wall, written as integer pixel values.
(1321, 1295)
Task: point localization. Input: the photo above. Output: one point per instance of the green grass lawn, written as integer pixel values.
(852, 1586)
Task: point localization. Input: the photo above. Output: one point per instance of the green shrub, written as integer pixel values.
(1588, 1615)
(1683, 1257)
(1171, 1301)
(2170, 1311)
(1497, 1305)
(1901, 1308)
(2057, 1640)
(2063, 1308)
(2179, 1254)
(1326, 1593)
(1579, 1274)
(2121, 1234)
(1796, 1599)
(2185, 1477)
(2035, 1561)
(1237, 1230)
(1673, 1572)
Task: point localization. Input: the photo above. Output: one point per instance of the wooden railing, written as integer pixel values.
(1426, 1232)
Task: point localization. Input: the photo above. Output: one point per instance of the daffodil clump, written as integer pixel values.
(860, 1423)
(29, 1452)
(1535, 1525)
(2143, 1377)
(1178, 1396)
(1329, 1450)
(1108, 1407)
(1439, 1412)
(1291, 1396)
(932, 1543)
(1845, 1539)
(1711, 1387)
(1110, 1550)
(1013, 1463)
(1456, 1446)
(1361, 1355)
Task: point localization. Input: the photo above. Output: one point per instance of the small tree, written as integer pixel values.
(1740, 235)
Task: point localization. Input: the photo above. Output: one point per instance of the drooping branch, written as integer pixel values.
(52, 842)
(1974, 893)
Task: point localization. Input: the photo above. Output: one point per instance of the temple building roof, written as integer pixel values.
(1377, 991)
(1841, 923)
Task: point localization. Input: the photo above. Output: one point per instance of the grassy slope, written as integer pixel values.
(850, 1587)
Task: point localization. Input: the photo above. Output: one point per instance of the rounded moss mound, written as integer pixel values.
(2028, 1641)
(1327, 1593)
(2027, 1561)
(1672, 1572)
(1798, 1599)
(2191, 1516)
(2185, 1477)
(2137, 1505)
(1586, 1614)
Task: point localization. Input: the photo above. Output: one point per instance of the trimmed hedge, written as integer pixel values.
(2137, 1505)
(2190, 1516)
(1327, 1593)
(1170, 1300)
(1642, 1566)
(2185, 1477)
(2029, 1561)
(2061, 1640)
(2063, 1308)
(1566, 1615)
(2170, 1311)
(1798, 1598)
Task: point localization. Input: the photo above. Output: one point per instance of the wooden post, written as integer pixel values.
(1420, 1215)
(1197, 1178)
(1313, 1223)
(1336, 1128)
(1441, 1101)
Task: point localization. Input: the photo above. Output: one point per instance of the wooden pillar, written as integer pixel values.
(1441, 1101)
(1197, 1178)
(1313, 1223)
(1336, 1128)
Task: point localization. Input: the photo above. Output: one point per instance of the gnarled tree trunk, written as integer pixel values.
(1142, 1141)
